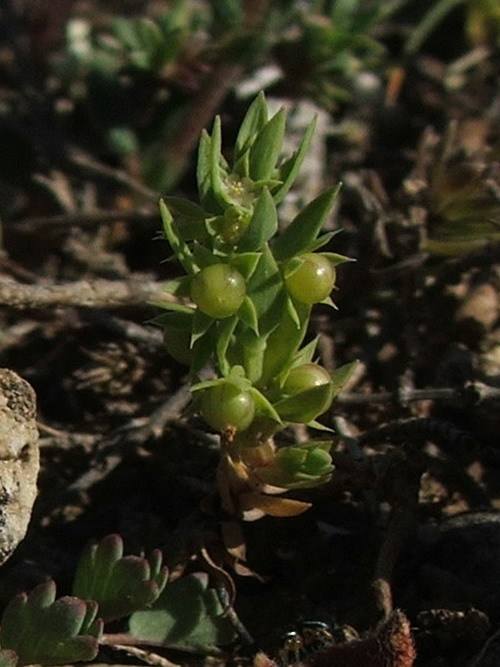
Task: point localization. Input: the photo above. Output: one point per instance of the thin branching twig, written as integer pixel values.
(99, 293)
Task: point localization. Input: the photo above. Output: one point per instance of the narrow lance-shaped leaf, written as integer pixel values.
(178, 245)
(305, 227)
(284, 341)
(263, 224)
(203, 170)
(189, 216)
(266, 289)
(267, 147)
(306, 405)
(215, 166)
(289, 170)
(254, 120)
(248, 314)
(341, 376)
(224, 332)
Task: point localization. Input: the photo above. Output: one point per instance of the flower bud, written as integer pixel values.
(299, 466)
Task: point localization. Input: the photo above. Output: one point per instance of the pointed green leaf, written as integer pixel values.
(305, 227)
(217, 174)
(283, 342)
(266, 289)
(341, 376)
(203, 256)
(190, 218)
(246, 263)
(203, 350)
(179, 287)
(289, 170)
(179, 247)
(319, 426)
(263, 407)
(263, 224)
(267, 147)
(306, 354)
(321, 241)
(328, 302)
(254, 120)
(201, 325)
(306, 405)
(225, 330)
(203, 170)
(248, 314)
(337, 259)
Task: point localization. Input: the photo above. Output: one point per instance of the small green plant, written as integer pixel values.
(38, 628)
(325, 45)
(243, 307)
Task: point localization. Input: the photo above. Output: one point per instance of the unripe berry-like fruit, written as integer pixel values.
(308, 392)
(218, 290)
(313, 280)
(304, 377)
(224, 406)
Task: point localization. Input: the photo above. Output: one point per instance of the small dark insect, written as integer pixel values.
(310, 637)
(316, 635)
(292, 649)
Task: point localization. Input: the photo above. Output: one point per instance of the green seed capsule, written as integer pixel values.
(304, 377)
(313, 280)
(225, 406)
(218, 290)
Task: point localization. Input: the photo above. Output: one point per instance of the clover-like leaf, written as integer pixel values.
(119, 584)
(187, 614)
(43, 630)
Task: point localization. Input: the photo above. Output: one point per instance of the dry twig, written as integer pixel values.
(98, 293)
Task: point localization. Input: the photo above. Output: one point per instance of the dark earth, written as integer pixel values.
(411, 517)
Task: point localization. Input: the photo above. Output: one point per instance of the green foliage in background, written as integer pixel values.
(39, 628)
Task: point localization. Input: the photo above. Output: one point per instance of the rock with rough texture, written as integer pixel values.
(19, 459)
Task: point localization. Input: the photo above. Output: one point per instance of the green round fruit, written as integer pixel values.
(225, 406)
(304, 377)
(313, 280)
(307, 393)
(218, 290)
